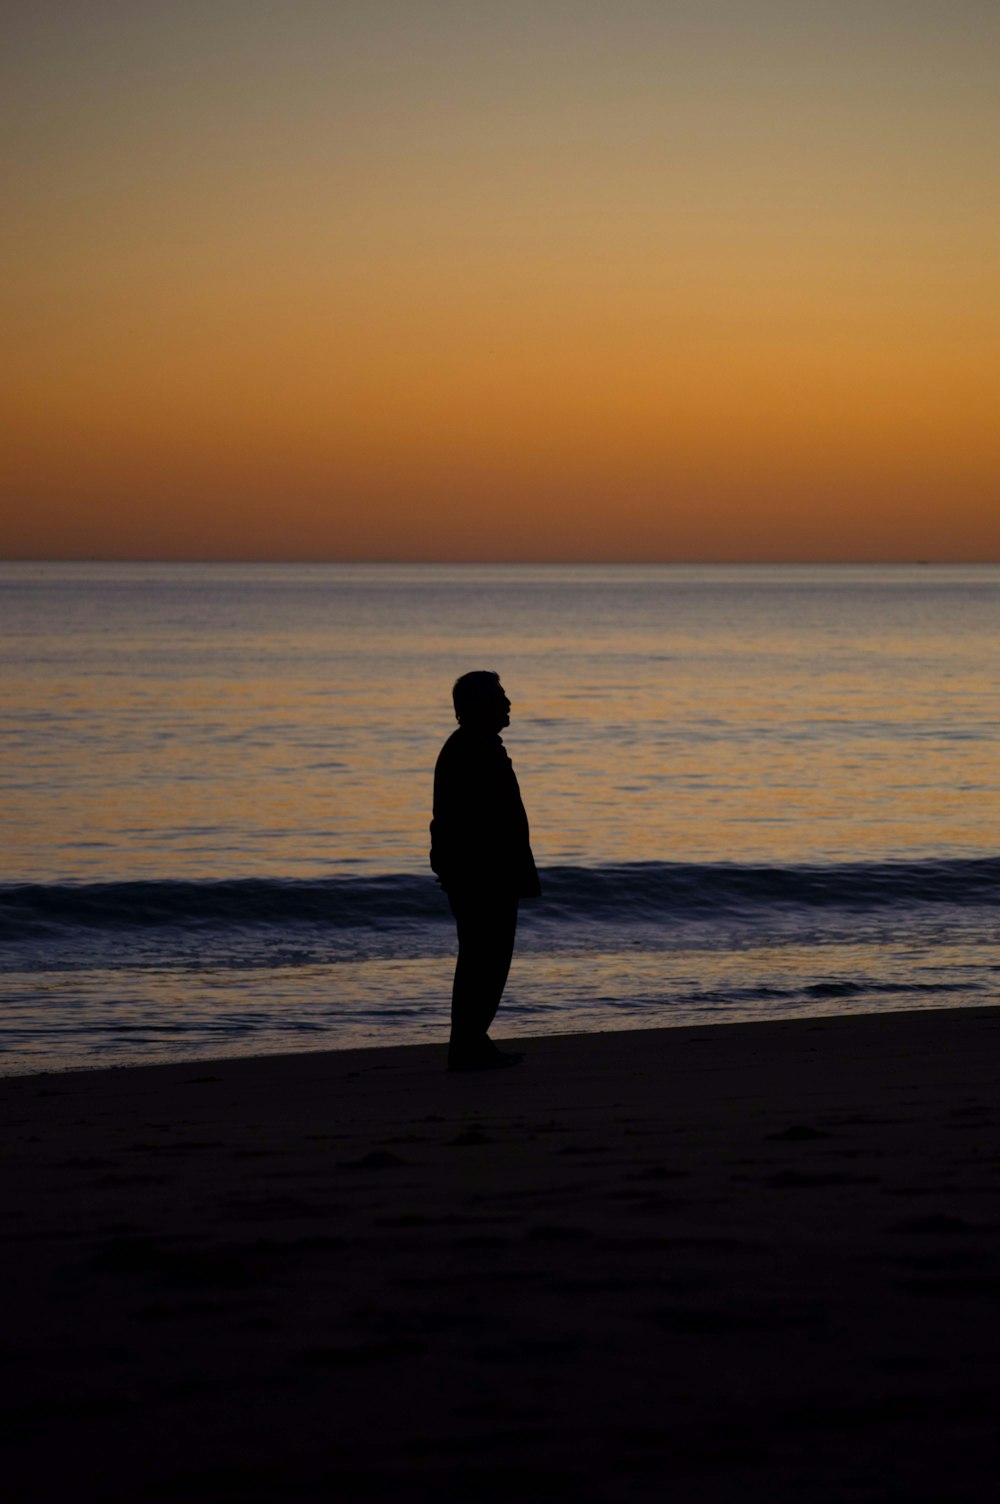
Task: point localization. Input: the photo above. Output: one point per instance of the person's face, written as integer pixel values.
(500, 708)
(490, 710)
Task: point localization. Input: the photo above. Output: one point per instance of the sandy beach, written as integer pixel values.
(747, 1262)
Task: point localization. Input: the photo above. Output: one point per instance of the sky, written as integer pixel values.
(691, 280)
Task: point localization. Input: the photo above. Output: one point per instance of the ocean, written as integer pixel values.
(755, 792)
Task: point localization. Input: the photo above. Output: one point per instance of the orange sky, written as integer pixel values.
(432, 280)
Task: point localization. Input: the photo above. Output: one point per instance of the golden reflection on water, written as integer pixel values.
(649, 723)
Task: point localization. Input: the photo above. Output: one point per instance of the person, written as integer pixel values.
(481, 855)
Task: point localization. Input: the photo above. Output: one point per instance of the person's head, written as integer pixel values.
(480, 700)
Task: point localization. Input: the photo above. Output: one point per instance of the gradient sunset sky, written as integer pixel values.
(415, 279)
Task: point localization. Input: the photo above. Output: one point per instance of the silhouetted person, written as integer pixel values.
(482, 857)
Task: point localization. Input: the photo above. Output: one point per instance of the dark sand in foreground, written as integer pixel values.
(742, 1263)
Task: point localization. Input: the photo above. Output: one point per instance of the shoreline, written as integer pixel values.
(753, 1261)
(514, 1041)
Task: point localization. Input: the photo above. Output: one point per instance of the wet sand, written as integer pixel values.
(741, 1263)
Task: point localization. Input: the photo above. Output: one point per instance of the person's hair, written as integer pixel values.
(473, 690)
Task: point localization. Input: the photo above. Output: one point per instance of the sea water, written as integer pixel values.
(754, 791)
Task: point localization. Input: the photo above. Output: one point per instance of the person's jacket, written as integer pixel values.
(479, 833)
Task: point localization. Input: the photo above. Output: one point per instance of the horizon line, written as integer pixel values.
(844, 563)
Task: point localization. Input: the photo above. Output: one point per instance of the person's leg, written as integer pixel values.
(486, 930)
